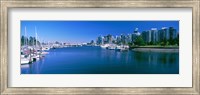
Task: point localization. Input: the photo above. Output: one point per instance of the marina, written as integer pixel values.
(30, 54)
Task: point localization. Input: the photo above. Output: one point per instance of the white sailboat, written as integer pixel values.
(24, 59)
(36, 45)
(36, 55)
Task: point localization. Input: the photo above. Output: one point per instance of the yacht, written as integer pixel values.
(24, 61)
(122, 48)
(105, 46)
(45, 48)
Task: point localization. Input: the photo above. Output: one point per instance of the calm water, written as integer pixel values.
(95, 60)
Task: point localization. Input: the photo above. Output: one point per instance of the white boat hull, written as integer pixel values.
(24, 61)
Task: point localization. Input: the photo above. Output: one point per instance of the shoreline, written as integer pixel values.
(163, 47)
(153, 49)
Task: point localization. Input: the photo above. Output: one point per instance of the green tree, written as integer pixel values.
(162, 43)
(139, 41)
(151, 43)
(177, 40)
(32, 41)
(22, 40)
(167, 43)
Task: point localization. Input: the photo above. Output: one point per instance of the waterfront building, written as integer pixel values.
(126, 39)
(135, 34)
(92, 42)
(144, 36)
(148, 36)
(112, 39)
(105, 40)
(172, 33)
(100, 40)
(109, 38)
(136, 30)
(166, 33)
(118, 40)
(175, 34)
(161, 35)
(123, 39)
(129, 39)
(154, 35)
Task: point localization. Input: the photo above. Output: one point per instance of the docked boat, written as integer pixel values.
(111, 47)
(122, 48)
(45, 48)
(35, 58)
(24, 61)
(105, 46)
(118, 48)
(44, 53)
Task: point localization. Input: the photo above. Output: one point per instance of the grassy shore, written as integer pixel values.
(155, 48)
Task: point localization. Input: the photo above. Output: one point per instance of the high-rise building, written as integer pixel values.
(161, 35)
(112, 39)
(135, 34)
(172, 33)
(154, 35)
(118, 40)
(136, 30)
(166, 33)
(175, 34)
(129, 38)
(109, 38)
(100, 40)
(123, 39)
(148, 36)
(144, 36)
(105, 40)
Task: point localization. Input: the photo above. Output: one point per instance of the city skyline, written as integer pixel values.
(85, 31)
(164, 36)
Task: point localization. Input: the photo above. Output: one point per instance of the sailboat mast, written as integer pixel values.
(25, 37)
(36, 36)
(27, 42)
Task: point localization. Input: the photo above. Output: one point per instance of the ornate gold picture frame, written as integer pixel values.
(7, 4)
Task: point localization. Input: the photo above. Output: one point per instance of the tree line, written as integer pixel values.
(31, 41)
(139, 41)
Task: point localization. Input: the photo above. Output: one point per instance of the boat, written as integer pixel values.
(22, 55)
(112, 47)
(54, 48)
(118, 48)
(44, 53)
(45, 48)
(105, 46)
(122, 48)
(24, 61)
(35, 58)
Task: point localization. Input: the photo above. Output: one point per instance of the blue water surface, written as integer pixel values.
(95, 60)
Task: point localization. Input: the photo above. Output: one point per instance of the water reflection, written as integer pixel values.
(155, 57)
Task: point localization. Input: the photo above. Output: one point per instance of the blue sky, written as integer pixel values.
(85, 31)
